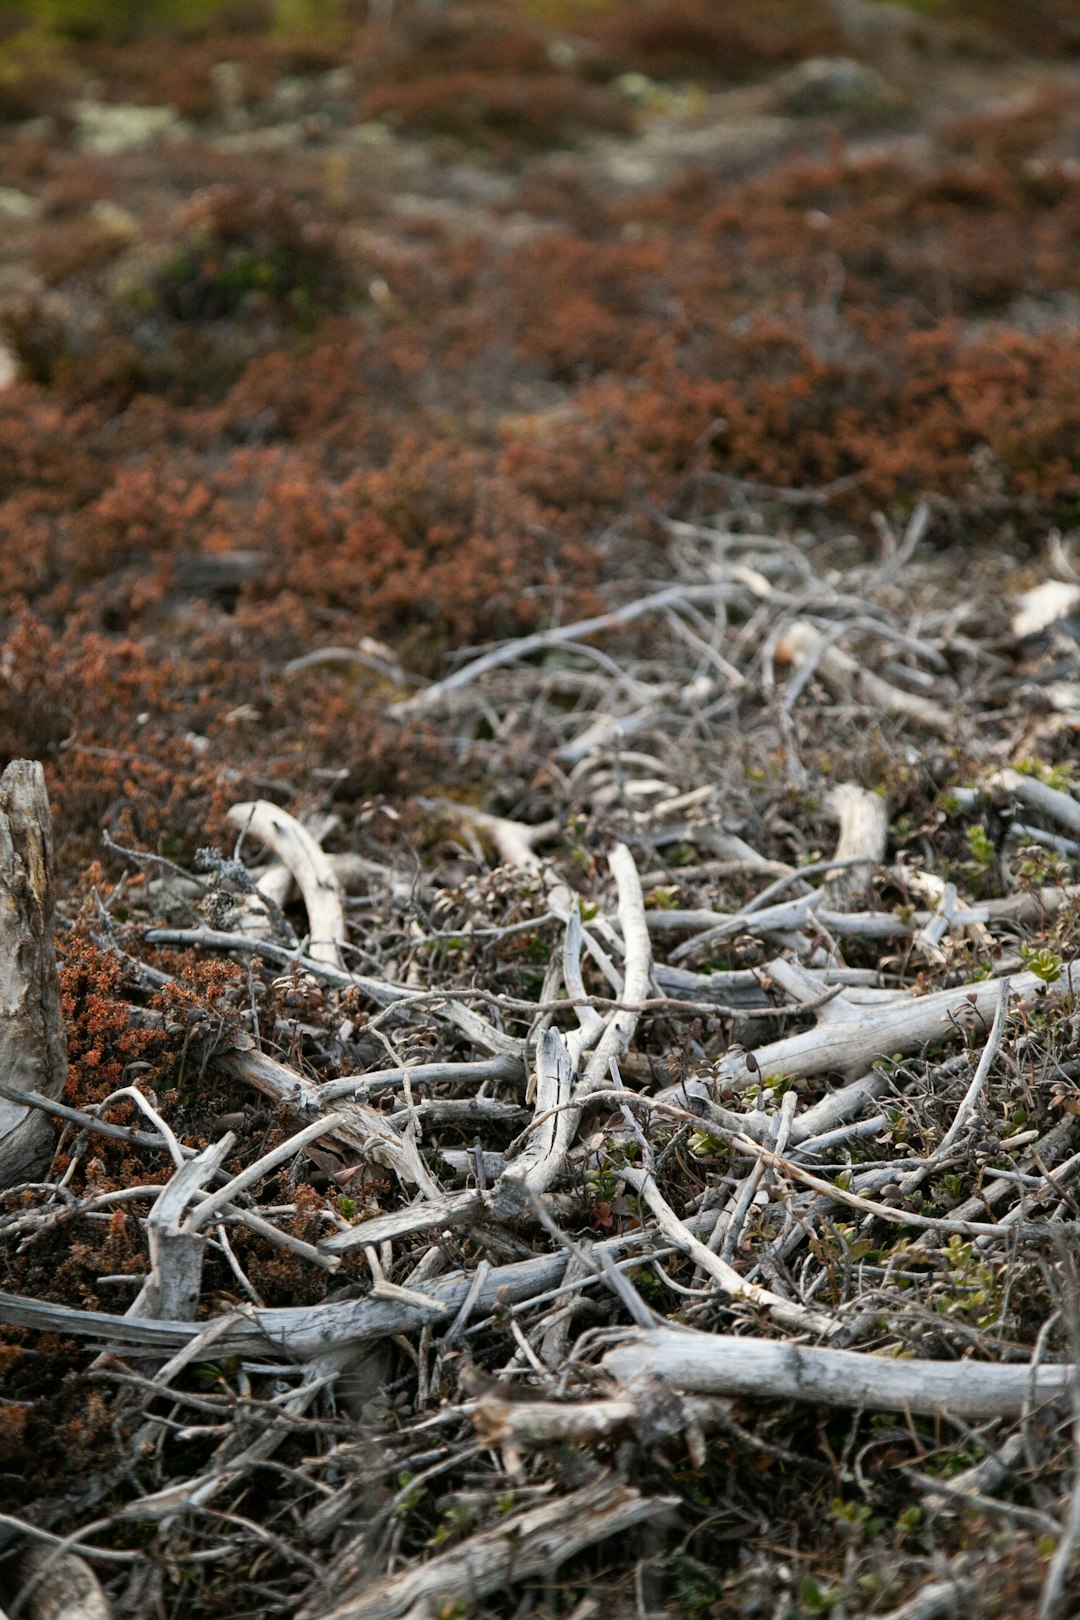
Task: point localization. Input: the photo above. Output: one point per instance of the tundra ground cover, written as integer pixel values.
(394, 340)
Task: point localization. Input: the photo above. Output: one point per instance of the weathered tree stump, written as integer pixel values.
(33, 1048)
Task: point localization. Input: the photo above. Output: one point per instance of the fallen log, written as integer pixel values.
(33, 1047)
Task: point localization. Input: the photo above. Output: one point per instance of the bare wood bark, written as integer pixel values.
(305, 1332)
(510, 651)
(637, 971)
(848, 1037)
(171, 1291)
(1051, 802)
(804, 645)
(563, 1089)
(450, 1209)
(535, 1542)
(864, 831)
(645, 1406)
(719, 1364)
(33, 1047)
(514, 840)
(306, 860)
(353, 1124)
(544, 1153)
(950, 912)
(59, 1586)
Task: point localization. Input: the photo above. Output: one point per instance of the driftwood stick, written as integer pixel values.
(950, 912)
(514, 840)
(779, 1132)
(864, 832)
(361, 1087)
(719, 1364)
(848, 1037)
(526, 1544)
(509, 652)
(58, 1585)
(804, 645)
(304, 1332)
(788, 915)
(589, 1020)
(450, 1209)
(558, 1118)
(1051, 802)
(315, 877)
(785, 1312)
(743, 987)
(252, 1173)
(171, 1291)
(33, 1047)
(839, 1106)
(637, 971)
(644, 1406)
(543, 1155)
(353, 1124)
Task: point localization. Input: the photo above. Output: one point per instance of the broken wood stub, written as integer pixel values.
(33, 1047)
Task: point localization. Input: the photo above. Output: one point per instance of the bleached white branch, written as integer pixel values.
(720, 1364)
(534, 1542)
(509, 652)
(306, 860)
(804, 645)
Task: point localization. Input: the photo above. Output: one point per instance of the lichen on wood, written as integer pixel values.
(33, 1047)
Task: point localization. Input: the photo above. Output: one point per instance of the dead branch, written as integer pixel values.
(543, 1156)
(766, 1369)
(1049, 801)
(848, 1037)
(510, 651)
(787, 1313)
(645, 1407)
(864, 831)
(59, 1585)
(814, 651)
(304, 858)
(532, 1543)
(33, 1047)
(172, 1289)
(513, 839)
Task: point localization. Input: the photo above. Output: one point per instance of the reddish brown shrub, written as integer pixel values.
(439, 43)
(248, 250)
(688, 38)
(102, 1039)
(501, 111)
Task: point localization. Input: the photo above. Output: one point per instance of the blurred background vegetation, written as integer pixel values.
(123, 21)
(119, 20)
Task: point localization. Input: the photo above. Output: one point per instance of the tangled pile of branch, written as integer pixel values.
(599, 1118)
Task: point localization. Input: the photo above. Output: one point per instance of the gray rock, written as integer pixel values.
(836, 85)
(107, 128)
(17, 205)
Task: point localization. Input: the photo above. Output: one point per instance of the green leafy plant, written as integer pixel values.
(981, 847)
(1045, 963)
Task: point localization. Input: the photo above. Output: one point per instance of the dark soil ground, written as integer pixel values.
(407, 336)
